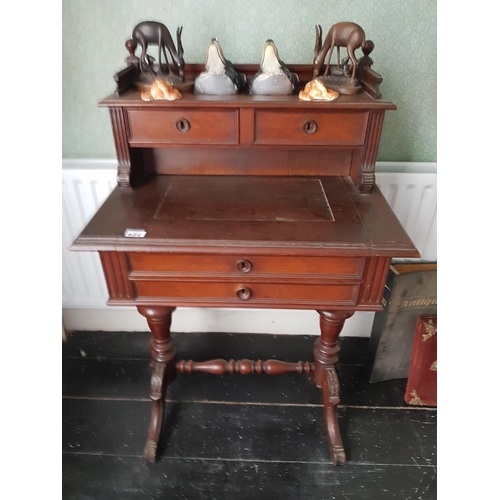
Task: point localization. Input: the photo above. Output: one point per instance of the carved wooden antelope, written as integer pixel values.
(151, 32)
(348, 35)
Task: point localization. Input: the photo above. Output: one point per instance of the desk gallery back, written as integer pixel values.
(246, 185)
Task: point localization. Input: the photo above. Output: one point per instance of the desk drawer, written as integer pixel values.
(253, 266)
(183, 126)
(245, 294)
(310, 127)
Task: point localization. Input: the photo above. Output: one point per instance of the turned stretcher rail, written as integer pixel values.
(244, 366)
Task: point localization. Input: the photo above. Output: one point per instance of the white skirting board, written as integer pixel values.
(409, 188)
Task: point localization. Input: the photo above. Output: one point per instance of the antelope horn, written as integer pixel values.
(180, 49)
(319, 43)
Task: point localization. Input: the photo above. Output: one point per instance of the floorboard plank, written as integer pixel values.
(250, 432)
(87, 477)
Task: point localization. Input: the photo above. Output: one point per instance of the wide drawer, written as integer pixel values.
(245, 294)
(310, 127)
(183, 126)
(252, 266)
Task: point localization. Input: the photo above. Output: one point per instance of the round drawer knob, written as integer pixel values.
(183, 125)
(310, 127)
(244, 293)
(244, 266)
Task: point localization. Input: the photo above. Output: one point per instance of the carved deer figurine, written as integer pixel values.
(151, 32)
(348, 35)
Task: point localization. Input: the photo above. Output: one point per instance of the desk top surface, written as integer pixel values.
(278, 215)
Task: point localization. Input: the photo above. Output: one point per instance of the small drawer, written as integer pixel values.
(252, 266)
(246, 294)
(183, 126)
(310, 127)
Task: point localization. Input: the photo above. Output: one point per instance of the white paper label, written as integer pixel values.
(135, 233)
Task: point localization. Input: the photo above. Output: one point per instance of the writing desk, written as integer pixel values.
(246, 201)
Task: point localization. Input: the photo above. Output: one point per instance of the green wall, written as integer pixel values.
(404, 33)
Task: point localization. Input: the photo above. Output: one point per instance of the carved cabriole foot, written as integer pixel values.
(331, 399)
(162, 370)
(326, 354)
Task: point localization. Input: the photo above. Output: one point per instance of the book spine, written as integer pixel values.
(421, 388)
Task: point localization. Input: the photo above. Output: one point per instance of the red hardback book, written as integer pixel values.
(421, 388)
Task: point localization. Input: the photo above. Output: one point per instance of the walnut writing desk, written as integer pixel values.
(246, 201)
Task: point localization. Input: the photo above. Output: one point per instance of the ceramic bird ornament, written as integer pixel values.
(273, 77)
(220, 77)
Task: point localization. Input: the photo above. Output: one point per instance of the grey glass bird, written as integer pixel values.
(220, 77)
(273, 77)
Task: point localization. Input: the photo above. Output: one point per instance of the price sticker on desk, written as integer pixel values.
(134, 233)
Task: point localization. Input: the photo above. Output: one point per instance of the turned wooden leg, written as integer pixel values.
(162, 370)
(326, 355)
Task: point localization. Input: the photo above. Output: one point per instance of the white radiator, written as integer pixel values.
(87, 183)
(83, 192)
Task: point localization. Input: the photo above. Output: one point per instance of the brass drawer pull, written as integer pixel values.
(183, 125)
(244, 266)
(310, 127)
(244, 293)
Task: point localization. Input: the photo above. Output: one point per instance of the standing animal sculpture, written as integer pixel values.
(348, 35)
(154, 33)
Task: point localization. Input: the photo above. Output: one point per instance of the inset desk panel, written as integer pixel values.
(253, 199)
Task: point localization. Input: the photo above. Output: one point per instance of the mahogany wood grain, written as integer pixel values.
(120, 134)
(374, 281)
(327, 347)
(253, 199)
(163, 265)
(245, 161)
(116, 272)
(371, 81)
(183, 126)
(244, 367)
(225, 294)
(162, 368)
(331, 128)
(366, 179)
(331, 399)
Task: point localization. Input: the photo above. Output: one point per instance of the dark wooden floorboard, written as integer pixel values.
(250, 432)
(236, 436)
(95, 477)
